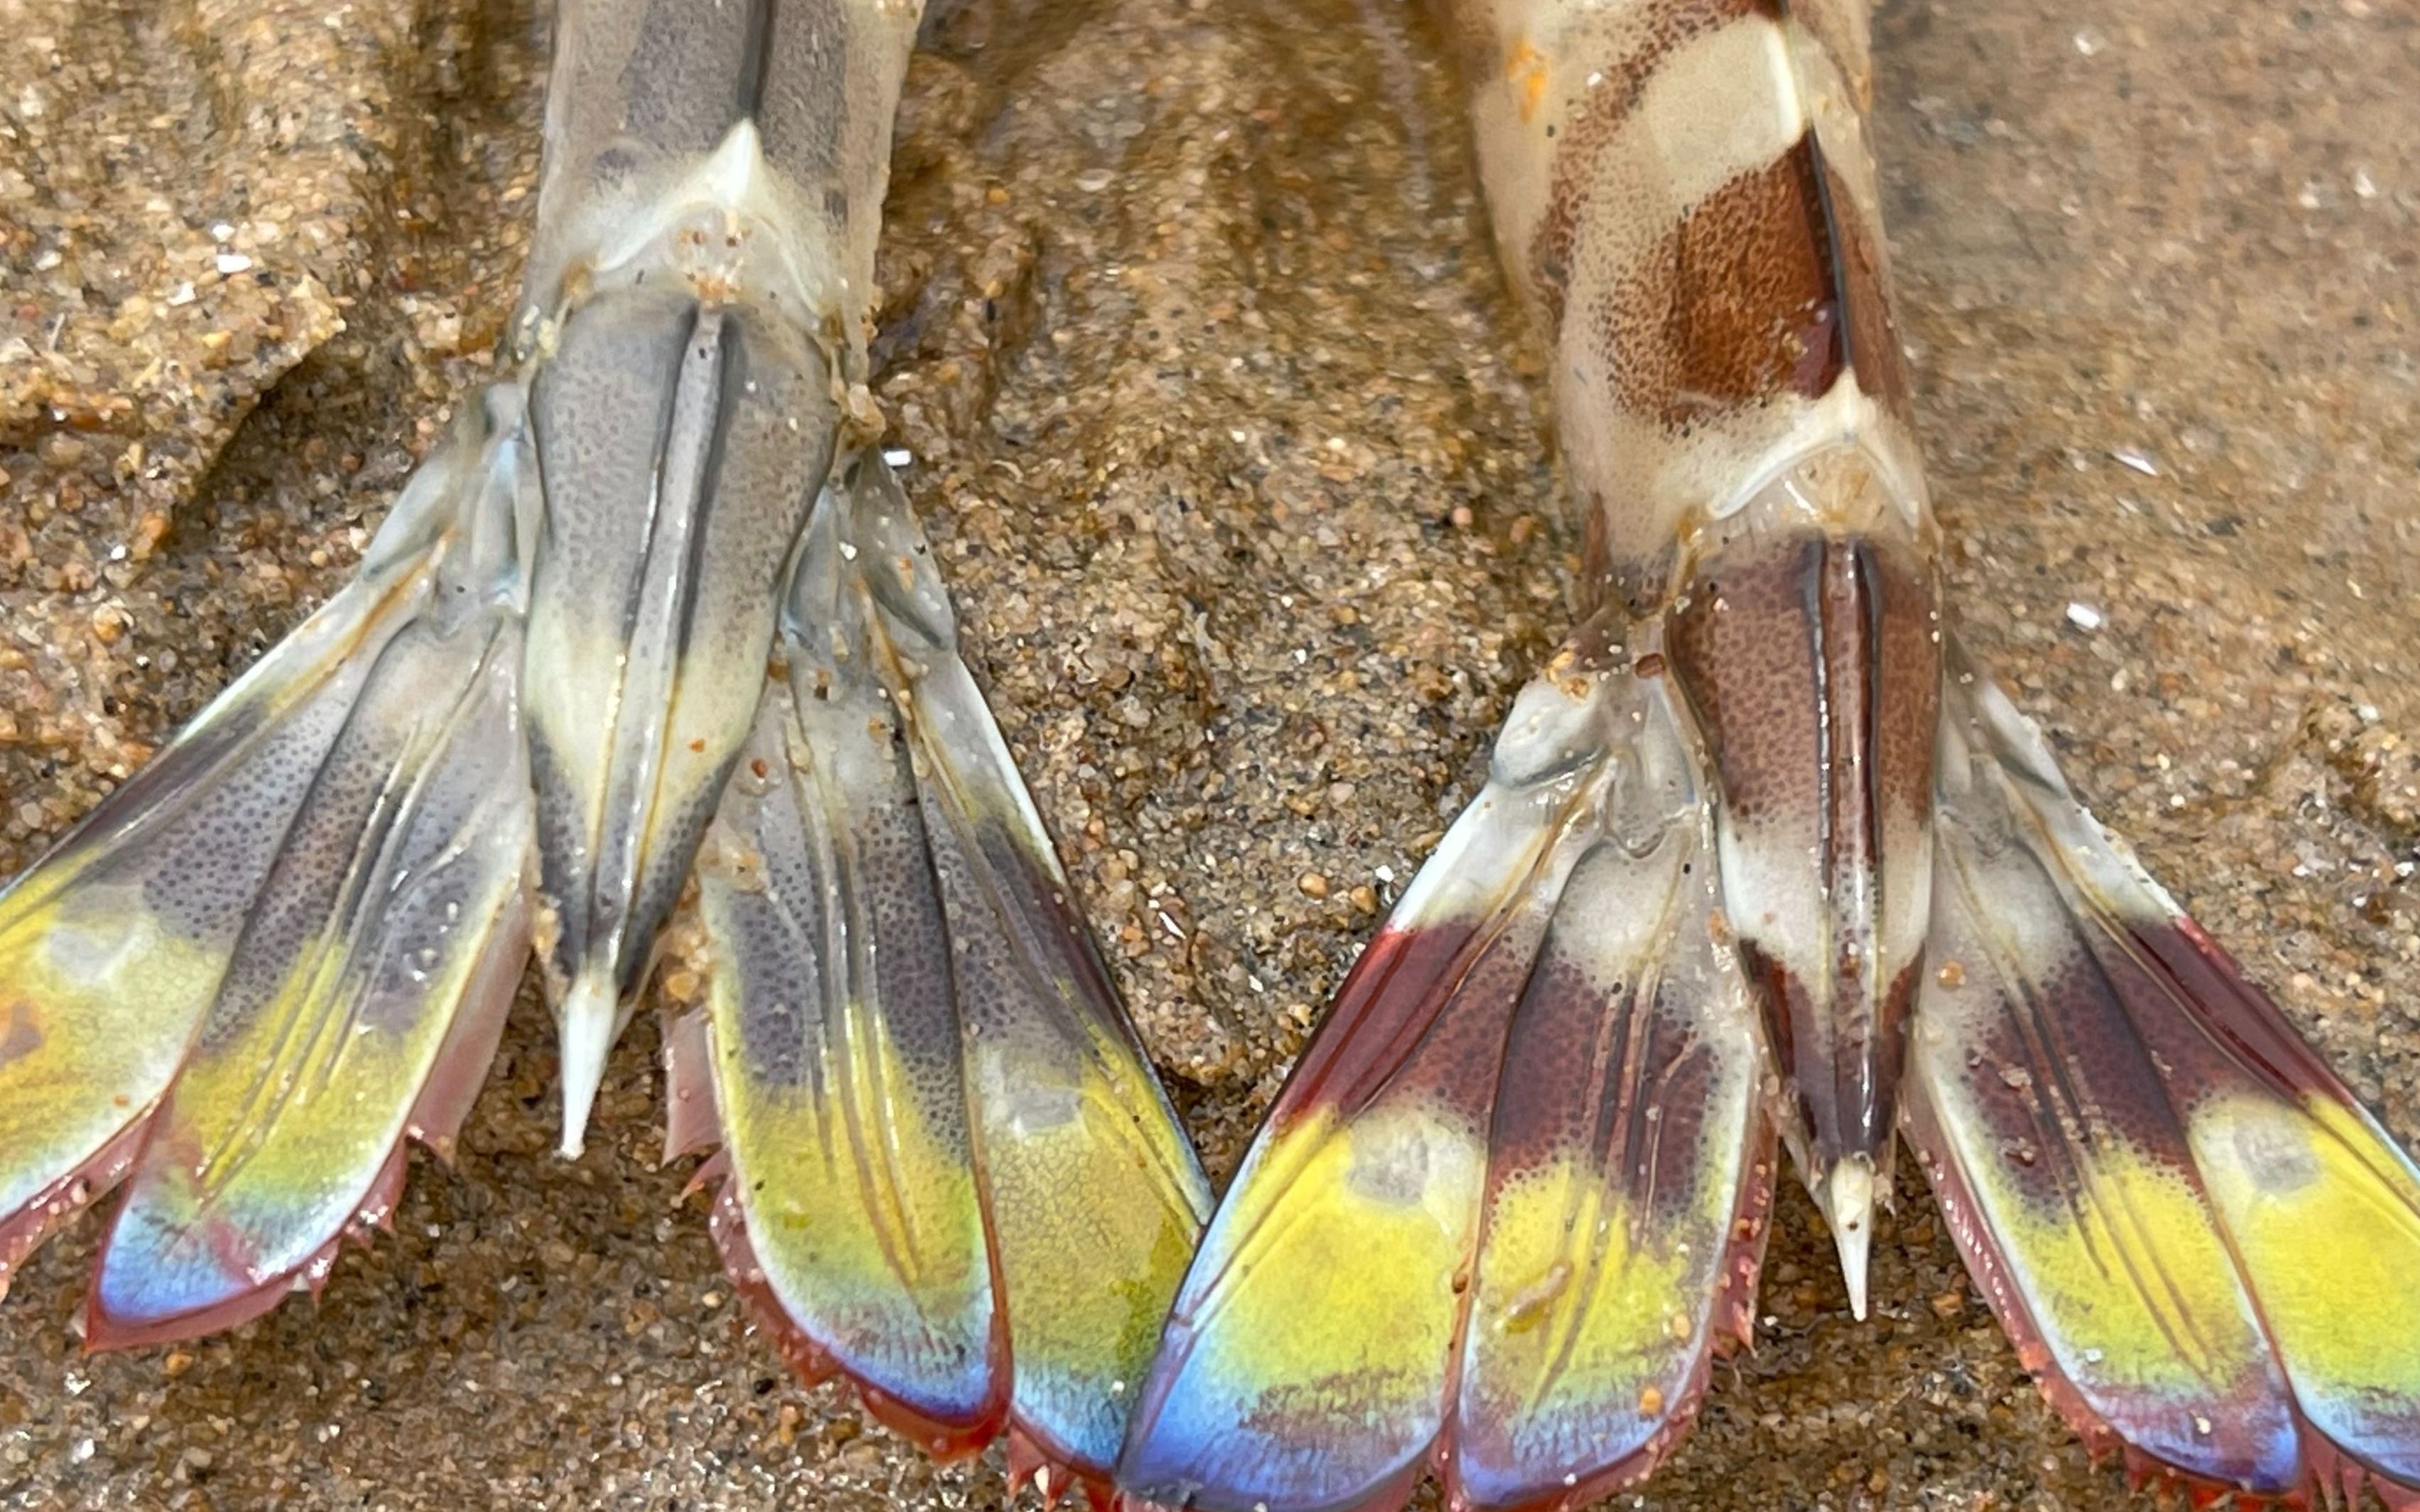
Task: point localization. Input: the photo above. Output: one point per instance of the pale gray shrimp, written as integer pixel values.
(287, 946)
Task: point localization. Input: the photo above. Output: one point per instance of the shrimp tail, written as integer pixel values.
(1513, 1199)
(2203, 1246)
(286, 946)
(943, 1166)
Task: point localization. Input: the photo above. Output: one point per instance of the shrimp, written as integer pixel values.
(1763, 860)
(943, 1164)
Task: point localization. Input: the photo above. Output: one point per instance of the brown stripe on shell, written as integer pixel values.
(1810, 664)
(1871, 331)
(1665, 29)
(2100, 1043)
(1901, 602)
(1617, 1074)
(1736, 304)
(2061, 1062)
(1775, 641)
(1740, 644)
(1423, 1010)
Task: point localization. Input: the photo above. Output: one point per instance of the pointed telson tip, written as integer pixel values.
(585, 1033)
(1848, 1203)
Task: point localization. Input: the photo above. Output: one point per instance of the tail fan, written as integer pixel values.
(290, 942)
(946, 1168)
(2201, 1243)
(1517, 1185)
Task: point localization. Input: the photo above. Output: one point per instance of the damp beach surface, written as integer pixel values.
(1231, 446)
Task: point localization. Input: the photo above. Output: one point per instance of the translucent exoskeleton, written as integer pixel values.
(944, 1164)
(1764, 861)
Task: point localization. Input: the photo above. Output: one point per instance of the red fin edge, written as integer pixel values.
(808, 1360)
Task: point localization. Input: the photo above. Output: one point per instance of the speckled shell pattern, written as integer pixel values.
(1761, 860)
(1683, 193)
(655, 623)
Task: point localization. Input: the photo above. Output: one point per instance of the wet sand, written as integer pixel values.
(1230, 444)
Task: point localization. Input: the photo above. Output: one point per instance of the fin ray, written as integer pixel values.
(980, 1213)
(1065, 1101)
(118, 947)
(217, 957)
(836, 1077)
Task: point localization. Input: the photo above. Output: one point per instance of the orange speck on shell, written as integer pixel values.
(1528, 68)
